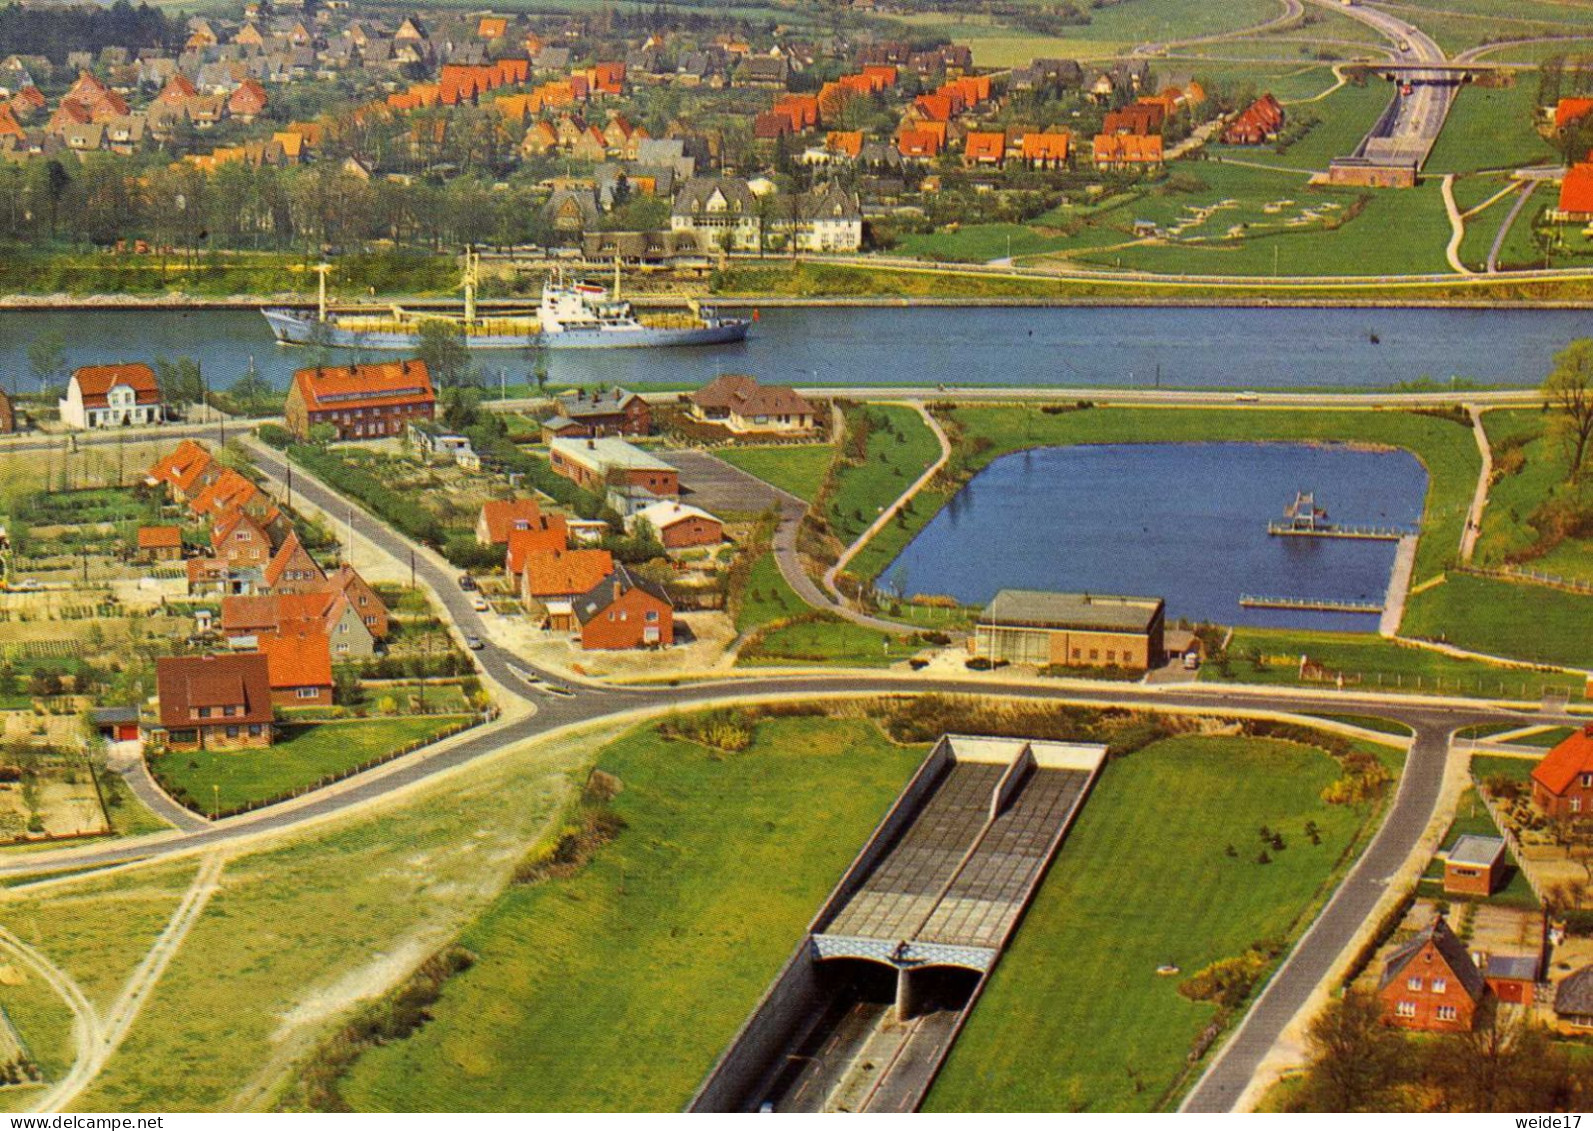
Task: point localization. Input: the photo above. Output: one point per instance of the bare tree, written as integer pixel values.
(1568, 394)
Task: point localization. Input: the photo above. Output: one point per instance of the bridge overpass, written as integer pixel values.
(866, 1010)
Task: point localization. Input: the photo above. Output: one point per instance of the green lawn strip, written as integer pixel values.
(1371, 662)
(890, 466)
(45, 1024)
(1446, 449)
(1075, 1016)
(302, 756)
(1367, 722)
(768, 596)
(979, 243)
(615, 989)
(1505, 618)
(825, 639)
(1471, 818)
(797, 468)
(1489, 128)
(1485, 766)
(302, 931)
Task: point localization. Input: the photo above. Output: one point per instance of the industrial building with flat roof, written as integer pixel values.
(1033, 626)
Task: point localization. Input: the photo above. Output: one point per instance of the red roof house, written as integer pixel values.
(1562, 784)
(360, 401)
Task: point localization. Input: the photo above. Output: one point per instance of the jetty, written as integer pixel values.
(1304, 519)
(1310, 604)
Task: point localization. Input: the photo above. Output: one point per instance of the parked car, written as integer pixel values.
(473, 642)
(479, 603)
(466, 582)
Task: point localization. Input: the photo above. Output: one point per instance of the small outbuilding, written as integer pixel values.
(1474, 866)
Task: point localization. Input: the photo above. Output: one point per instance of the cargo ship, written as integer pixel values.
(571, 315)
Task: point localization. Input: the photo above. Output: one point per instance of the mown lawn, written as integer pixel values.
(900, 448)
(797, 468)
(826, 640)
(1471, 818)
(301, 756)
(1489, 128)
(767, 596)
(1075, 1016)
(615, 989)
(1504, 618)
(1380, 665)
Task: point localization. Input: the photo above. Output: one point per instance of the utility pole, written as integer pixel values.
(348, 552)
(290, 484)
(412, 567)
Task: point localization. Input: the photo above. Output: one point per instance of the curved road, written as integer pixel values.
(1289, 989)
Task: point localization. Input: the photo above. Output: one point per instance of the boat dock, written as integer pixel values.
(1310, 604)
(1304, 519)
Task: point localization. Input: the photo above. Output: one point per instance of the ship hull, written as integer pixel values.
(292, 327)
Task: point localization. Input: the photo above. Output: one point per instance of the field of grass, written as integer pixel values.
(980, 243)
(900, 447)
(799, 469)
(1343, 119)
(826, 640)
(768, 596)
(1522, 485)
(1367, 722)
(1371, 662)
(301, 756)
(616, 988)
(1502, 618)
(1458, 24)
(1484, 767)
(1076, 1017)
(1490, 128)
(1445, 449)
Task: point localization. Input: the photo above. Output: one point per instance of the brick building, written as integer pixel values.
(625, 611)
(1562, 784)
(299, 664)
(681, 527)
(628, 476)
(360, 401)
(213, 702)
(608, 412)
(1431, 983)
(501, 517)
(737, 402)
(160, 543)
(1474, 866)
(1030, 626)
(109, 396)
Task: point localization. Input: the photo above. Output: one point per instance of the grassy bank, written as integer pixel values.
(1503, 618)
(723, 861)
(222, 274)
(1076, 1016)
(797, 468)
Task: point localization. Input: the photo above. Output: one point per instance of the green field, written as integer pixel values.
(1075, 1017)
(797, 468)
(1531, 469)
(826, 639)
(1490, 128)
(1503, 618)
(863, 490)
(1343, 119)
(768, 596)
(1471, 818)
(302, 756)
(1371, 662)
(616, 988)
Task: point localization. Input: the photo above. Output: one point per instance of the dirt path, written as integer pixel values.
(86, 1025)
(1457, 227)
(1479, 499)
(890, 512)
(110, 1033)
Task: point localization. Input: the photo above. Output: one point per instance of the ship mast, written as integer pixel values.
(470, 285)
(321, 270)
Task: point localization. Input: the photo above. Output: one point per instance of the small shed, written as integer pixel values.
(1474, 866)
(115, 724)
(1513, 977)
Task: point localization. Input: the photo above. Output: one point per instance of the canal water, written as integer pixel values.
(1187, 522)
(1076, 346)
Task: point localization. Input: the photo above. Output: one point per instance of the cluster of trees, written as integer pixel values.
(1358, 1063)
(55, 31)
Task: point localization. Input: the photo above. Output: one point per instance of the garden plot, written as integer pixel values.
(48, 794)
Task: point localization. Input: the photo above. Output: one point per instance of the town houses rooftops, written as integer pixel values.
(1044, 609)
(1452, 950)
(300, 658)
(181, 466)
(742, 395)
(546, 532)
(1576, 191)
(187, 685)
(1561, 765)
(714, 194)
(604, 402)
(375, 383)
(97, 381)
(564, 573)
(1569, 111)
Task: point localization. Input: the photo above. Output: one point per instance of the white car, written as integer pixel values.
(28, 585)
(479, 603)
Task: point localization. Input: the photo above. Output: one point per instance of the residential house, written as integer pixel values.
(721, 211)
(739, 403)
(160, 543)
(1573, 1001)
(247, 617)
(360, 401)
(1029, 626)
(1562, 784)
(1430, 983)
(1127, 152)
(299, 666)
(625, 611)
(213, 702)
(1576, 195)
(825, 218)
(680, 526)
(630, 477)
(240, 540)
(1474, 866)
(499, 517)
(1569, 111)
(543, 534)
(1045, 150)
(110, 396)
(984, 147)
(603, 412)
(550, 581)
(364, 601)
(292, 570)
(1256, 124)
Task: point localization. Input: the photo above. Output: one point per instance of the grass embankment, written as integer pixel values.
(1370, 662)
(302, 756)
(1076, 1017)
(1490, 128)
(1532, 504)
(222, 274)
(888, 447)
(796, 468)
(615, 988)
(1506, 618)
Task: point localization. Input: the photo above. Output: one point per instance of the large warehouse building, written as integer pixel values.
(1032, 626)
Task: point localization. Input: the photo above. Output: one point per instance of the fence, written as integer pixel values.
(1532, 576)
(180, 795)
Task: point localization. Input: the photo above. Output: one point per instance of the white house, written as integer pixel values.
(109, 396)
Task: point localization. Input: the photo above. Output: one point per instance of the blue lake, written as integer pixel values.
(1186, 347)
(1187, 522)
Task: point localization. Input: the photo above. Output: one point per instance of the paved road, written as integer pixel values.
(55, 441)
(1433, 722)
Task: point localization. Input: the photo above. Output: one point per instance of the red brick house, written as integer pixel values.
(606, 462)
(1562, 784)
(681, 527)
(500, 517)
(187, 469)
(238, 539)
(213, 702)
(300, 668)
(611, 412)
(360, 401)
(1576, 195)
(625, 611)
(549, 576)
(160, 543)
(292, 570)
(361, 598)
(1431, 984)
(549, 533)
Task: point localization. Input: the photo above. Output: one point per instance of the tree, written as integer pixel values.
(47, 358)
(322, 434)
(181, 380)
(1354, 1057)
(442, 347)
(1568, 395)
